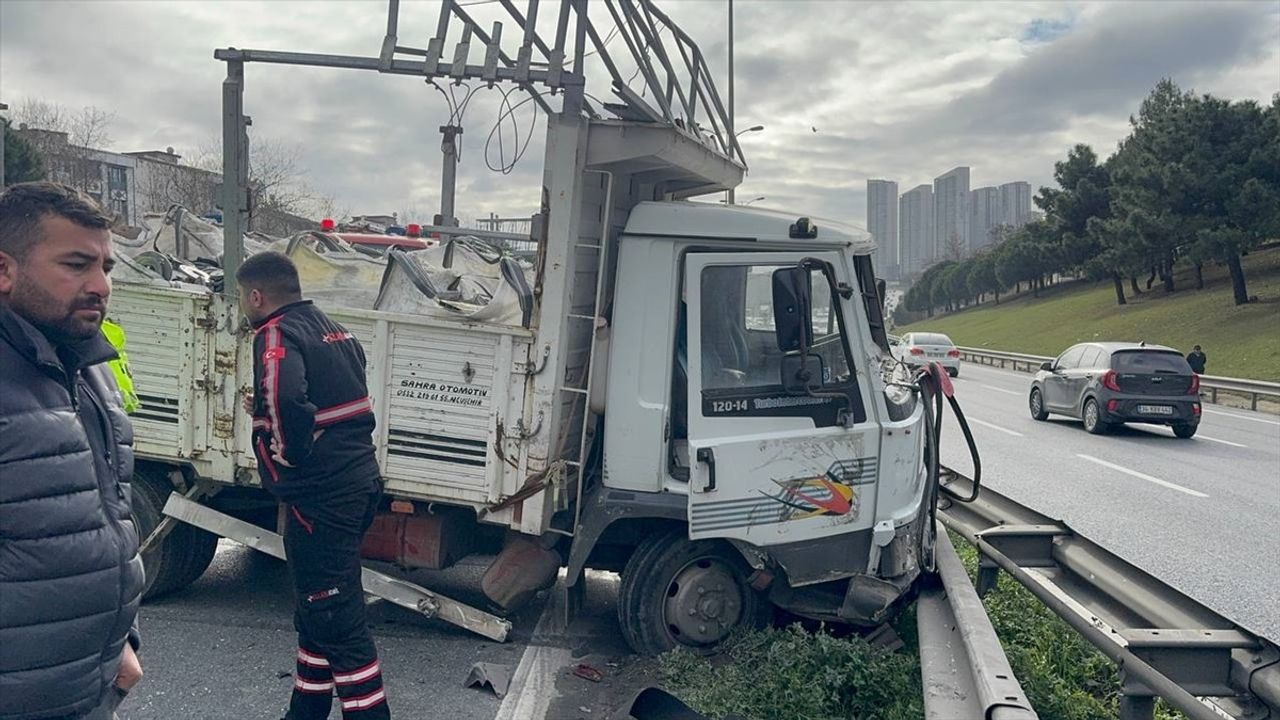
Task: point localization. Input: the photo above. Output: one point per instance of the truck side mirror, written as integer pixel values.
(792, 318)
(801, 372)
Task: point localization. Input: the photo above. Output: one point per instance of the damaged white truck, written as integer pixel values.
(688, 393)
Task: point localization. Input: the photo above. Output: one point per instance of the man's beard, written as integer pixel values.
(59, 322)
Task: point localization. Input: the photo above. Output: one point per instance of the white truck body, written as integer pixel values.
(697, 399)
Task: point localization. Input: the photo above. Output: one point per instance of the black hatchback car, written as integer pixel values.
(1107, 384)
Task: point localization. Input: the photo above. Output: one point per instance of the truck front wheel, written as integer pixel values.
(680, 592)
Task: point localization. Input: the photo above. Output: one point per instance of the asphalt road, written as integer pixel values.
(223, 649)
(1202, 514)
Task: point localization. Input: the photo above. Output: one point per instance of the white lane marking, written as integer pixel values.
(1200, 436)
(533, 686)
(1241, 417)
(1142, 476)
(984, 423)
(1001, 390)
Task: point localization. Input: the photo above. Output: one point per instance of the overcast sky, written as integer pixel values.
(846, 90)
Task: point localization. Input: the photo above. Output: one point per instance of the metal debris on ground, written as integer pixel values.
(586, 672)
(496, 677)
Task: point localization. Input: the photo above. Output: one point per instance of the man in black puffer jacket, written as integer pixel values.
(70, 575)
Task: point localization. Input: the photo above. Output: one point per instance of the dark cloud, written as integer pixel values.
(896, 90)
(1110, 63)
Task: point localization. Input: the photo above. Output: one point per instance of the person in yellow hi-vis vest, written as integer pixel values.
(120, 366)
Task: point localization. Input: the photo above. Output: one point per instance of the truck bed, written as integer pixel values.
(449, 397)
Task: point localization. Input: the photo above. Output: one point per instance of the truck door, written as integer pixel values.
(775, 460)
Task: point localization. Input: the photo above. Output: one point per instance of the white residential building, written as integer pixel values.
(882, 222)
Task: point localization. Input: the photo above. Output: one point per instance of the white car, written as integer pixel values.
(920, 348)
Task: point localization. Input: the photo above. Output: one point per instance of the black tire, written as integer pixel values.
(1185, 430)
(184, 554)
(1035, 403)
(159, 562)
(953, 372)
(1092, 417)
(657, 576)
(201, 547)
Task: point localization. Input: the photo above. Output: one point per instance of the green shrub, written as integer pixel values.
(794, 674)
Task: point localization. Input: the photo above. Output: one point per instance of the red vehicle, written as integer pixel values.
(411, 240)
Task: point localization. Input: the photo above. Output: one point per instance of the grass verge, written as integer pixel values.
(1241, 341)
(793, 673)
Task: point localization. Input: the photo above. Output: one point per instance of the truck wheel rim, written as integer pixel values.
(703, 602)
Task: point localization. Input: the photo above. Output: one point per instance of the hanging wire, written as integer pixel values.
(506, 112)
(607, 39)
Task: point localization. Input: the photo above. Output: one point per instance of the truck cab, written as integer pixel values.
(748, 438)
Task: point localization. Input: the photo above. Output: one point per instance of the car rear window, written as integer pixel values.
(1150, 362)
(930, 339)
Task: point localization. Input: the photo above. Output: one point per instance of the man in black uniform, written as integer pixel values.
(313, 436)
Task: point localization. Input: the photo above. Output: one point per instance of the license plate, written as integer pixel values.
(935, 355)
(1155, 409)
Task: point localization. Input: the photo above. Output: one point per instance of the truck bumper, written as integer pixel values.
(836, 585)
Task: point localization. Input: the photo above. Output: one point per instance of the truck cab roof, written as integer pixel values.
(686, 219)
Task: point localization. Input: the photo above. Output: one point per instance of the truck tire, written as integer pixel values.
(690, 593)
(201, 547)
(183, 556)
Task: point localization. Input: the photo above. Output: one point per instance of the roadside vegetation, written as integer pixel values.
(797, 674)
(1241, 341)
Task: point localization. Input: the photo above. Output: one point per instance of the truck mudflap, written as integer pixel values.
(379, 585)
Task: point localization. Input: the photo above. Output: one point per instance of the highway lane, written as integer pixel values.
(224, 647)
(1201, 514)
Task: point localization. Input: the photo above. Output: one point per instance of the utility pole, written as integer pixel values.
(730, 196)
(2, 130)
(449, 173)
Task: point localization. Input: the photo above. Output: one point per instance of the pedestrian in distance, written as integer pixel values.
(313, 437)
(70, 575)
(1196, 359)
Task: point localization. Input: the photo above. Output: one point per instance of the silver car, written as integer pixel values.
(921, 348)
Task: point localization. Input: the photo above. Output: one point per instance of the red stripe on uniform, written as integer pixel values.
(272, 351)
(364, 702)
(318, 688)
(371, 670)
(305, 525)
(266, 460)
(309, 658)
(345, 411)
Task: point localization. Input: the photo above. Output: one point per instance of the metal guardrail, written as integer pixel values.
(1165, 643)
(963, 667)
(1210, 385)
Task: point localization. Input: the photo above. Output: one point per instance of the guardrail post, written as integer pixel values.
(1136, 699)
(1137, 707)
(988, 575)
(1253, 401)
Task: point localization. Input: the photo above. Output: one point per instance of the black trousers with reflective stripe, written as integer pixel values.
(336, 652)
